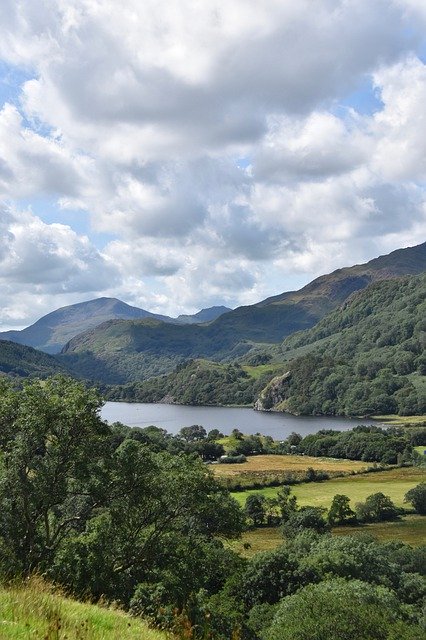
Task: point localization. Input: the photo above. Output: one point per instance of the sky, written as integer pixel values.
(179, 154)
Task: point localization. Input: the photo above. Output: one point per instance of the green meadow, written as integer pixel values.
(411, 530)
(394, 483)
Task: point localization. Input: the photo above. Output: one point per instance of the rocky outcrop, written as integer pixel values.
(272, 397)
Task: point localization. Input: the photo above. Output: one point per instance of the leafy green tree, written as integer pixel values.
(270, 576)
(287, 503)
(335, 610)
(194, 433)
(352, 557)
(54, 477)
(306, 518)
(377, 508)
(162, 512)
(255, 508)
(340, 511)
(294, 439)
(214, 434)
(417, 497)
(208, 450)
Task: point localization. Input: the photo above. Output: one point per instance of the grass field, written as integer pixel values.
(273, 463)
(394, 483)
(411, 529)
(34, 611)
(421, 450)
(402, 421)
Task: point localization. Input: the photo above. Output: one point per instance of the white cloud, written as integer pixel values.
(140, 117)
(39, 260)
(400, 127)
(33, 164)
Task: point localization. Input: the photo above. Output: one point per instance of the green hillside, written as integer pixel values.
(122, 351)
(200, 382)
(21, 361)
(368, 357)
(126, 351)
(35, 610)
(279, 316)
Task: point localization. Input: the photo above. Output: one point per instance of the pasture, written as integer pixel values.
(273, 463)
(392, 482)
(411, 530)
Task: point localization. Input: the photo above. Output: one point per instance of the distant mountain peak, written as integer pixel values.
(54, 330)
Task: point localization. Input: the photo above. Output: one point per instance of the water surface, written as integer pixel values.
(173, 417)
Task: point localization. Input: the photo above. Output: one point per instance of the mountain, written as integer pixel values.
(205, 315)
(121, 351)
(367, 357)
(54, 330)
(279, 316)
(51, 332)
(22, 361)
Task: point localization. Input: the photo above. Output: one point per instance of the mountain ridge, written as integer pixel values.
(53, 331)
(149, 348)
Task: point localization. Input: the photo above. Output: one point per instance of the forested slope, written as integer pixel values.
(19, 360)
(369, 357)
(197, 382)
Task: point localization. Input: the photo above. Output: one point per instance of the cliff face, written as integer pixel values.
(271, 397)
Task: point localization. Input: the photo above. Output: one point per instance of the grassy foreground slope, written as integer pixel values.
(35, 611)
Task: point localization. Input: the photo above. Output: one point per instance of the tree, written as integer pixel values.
(270, 576)
(215, 434)
(208, 450)
(255, 508)
(335, 609)
(417, 497)
(286, 502)
(164, 512)
(376, 508)
(306, 518)
(294, 439)
(194, 433)
(99, 511)
(340, 511)
(53, 477)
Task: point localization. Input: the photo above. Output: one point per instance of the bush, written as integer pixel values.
(232, 459)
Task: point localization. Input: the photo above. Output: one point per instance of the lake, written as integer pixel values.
(173, 417)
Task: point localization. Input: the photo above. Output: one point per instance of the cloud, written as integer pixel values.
(314, 148)
(39, 260)
(191, 74)
(31, 163)
(217, 148)
(400, 127)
